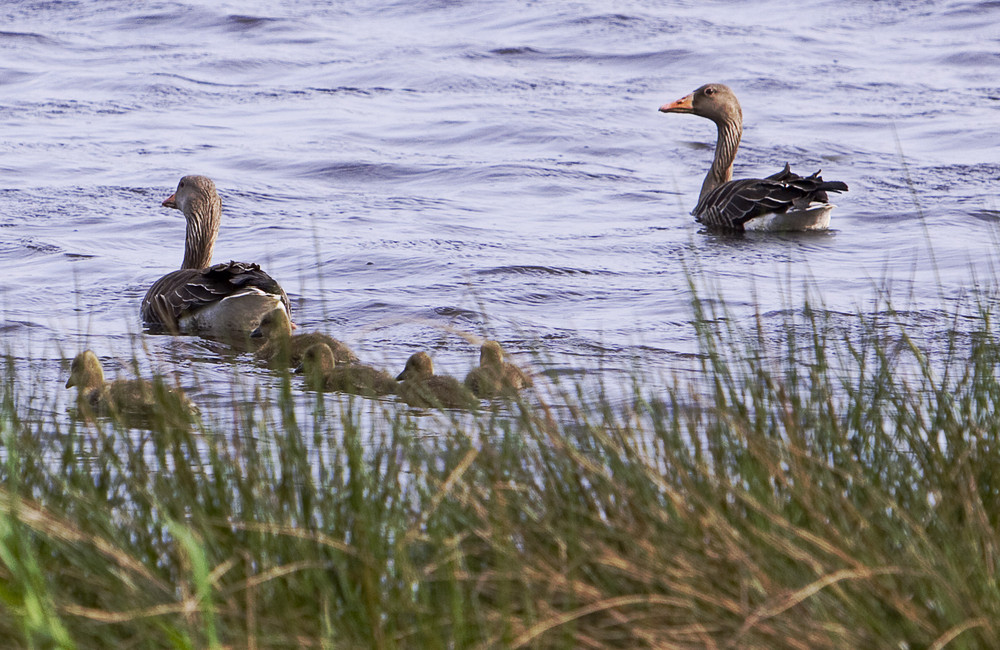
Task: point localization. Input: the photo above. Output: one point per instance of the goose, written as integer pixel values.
(422, 388)
(319, 365)
(782, 201)
(282, 348)
(223, 300)
(135, 401)
(495, 377)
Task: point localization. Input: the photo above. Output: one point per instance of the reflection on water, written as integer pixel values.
(418, 175)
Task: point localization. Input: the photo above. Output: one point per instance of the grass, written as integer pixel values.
(816, 487)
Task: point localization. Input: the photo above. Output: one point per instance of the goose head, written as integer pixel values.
(714, 101)
(197, 198)
(193, 194)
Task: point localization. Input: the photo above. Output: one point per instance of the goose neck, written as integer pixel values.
(202, 229)
(726, 145)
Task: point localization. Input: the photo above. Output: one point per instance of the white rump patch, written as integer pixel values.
(239, 312)
(814, 217)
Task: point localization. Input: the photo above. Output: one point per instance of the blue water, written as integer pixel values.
(420, 174)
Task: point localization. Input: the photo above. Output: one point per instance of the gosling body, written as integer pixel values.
(283, 349)
(135, 401)
(495, 377)
(322, 373)
(420, 387)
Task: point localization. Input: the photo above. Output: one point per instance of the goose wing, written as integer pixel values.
(186, 290)
(732, 204)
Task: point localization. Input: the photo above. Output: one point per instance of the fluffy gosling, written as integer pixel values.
(136, 402)
(495, 377)
(319, 365)
(282, 349)
(422, 388)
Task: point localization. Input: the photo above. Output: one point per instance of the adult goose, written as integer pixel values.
(224, 300)
(422, 388)
(495, 377)
(782, 201)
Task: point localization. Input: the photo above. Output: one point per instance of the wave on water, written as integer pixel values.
(537, 270)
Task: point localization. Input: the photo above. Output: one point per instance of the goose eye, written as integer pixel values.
(710, 91)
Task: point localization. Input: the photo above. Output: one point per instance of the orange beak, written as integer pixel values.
(682, 105)
(170, 201)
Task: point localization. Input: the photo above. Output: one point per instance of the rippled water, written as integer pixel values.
(417, 170)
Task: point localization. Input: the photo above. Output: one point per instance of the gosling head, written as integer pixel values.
(273, 323)
(318, 358)
(85, 371)
(418, 366)
(491, 355)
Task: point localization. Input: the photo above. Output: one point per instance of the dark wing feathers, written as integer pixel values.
(187, 289)
(784, 175)
(732, 204)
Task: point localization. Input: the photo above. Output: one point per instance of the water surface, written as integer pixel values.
(419, 174)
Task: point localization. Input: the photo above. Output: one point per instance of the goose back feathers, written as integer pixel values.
(734, 205)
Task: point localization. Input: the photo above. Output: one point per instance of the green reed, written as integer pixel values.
(829, 482)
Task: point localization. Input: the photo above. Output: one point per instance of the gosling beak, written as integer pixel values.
(682, 105)
(257, 333)
(170, 201)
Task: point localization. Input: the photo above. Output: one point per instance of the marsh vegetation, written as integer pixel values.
(831, 482)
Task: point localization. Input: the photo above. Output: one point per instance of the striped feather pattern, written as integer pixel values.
(187, 290)
(732, 204)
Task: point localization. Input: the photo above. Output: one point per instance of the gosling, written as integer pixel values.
(283, 350)
(495, 377)
(319, 365)
(420, 387)
(136, 402)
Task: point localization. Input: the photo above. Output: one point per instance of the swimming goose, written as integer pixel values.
(222, 300)
(322, 373)
(136, 401)
(283, 349)
(421, 387)
(495, 377)
(782, 201)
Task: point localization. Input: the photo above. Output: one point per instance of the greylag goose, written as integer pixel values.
(319, 365)
(282, 348)
(135, 401)
(422, 388)
(782, 201)
(223, 300)
(495, 377)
